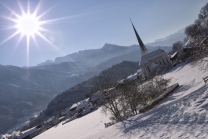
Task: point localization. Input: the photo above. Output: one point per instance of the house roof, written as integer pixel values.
(74, 105)
(82, 104)
(27, 132)
(61, 117)
(139, 71)
(174, 54)
(121, 81)
(132, 77)
(152, 55)
(50, 119)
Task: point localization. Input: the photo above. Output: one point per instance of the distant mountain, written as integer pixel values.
(27, 91)
(169, 40)
(91, 57)
(95, 60)
(133, 55)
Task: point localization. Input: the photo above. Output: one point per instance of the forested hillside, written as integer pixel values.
(80, 91)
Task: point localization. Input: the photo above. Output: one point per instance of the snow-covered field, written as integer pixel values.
(184, 114)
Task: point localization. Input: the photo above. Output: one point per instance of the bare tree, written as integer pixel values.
(154, 87)
(111, 103)
(131, 98)
(203, 12)
(198, 32)
(109, 97)
(192, 30)
(121, 102)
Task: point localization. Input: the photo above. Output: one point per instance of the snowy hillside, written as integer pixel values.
(182, 115)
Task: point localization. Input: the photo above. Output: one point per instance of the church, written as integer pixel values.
(151, 61)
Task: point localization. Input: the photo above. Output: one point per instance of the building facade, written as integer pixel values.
(151, 61)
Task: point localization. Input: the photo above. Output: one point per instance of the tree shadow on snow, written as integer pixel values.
(149, 118)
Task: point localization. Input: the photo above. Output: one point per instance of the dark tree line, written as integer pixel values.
(83, 90)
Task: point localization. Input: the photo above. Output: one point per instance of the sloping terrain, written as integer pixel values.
(38, 85)
(27, 91)
(84, 89)
(184, 114)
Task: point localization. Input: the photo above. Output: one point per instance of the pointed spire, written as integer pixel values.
(142, 46)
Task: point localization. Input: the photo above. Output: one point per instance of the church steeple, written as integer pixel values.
(142, 46)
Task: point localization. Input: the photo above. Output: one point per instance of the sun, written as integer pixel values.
(28, 24)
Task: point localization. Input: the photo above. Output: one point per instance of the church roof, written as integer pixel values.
(152, 55)
(141, 44)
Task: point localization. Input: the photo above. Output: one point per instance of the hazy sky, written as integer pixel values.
(89, 24)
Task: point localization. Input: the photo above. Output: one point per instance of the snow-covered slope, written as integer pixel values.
(182, 115)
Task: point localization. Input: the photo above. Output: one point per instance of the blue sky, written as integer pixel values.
(89, 24)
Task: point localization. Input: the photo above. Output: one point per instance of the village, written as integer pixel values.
(156, 94)
(151, 62)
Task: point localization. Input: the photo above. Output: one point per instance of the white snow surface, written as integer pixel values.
(183, 114)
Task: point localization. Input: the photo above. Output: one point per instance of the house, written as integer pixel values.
(62, 118)
(95, 99)
(51, 122)
(73, 107)
(132, 77)
(151, 61)
(82, 105)
(140, 74)
(70, 110)
(174, 56)
(67, 112)
(41, 128)
(28, 134)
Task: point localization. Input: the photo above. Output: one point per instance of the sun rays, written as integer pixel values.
(28, 24)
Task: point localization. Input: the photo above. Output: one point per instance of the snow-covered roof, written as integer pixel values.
(74, 106)
(173, 55)
(61, 117)
(50, 119)
(188, 42)
(152, 55)
(121, 81)
(27, 132)
(132, 77)
(139, 71)
(82, 104)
